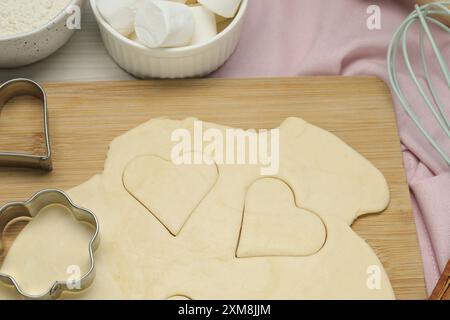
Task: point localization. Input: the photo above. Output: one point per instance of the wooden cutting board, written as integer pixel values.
(85, 117)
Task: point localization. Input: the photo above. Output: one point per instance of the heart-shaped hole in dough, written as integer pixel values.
(170, 192)
(273, 225)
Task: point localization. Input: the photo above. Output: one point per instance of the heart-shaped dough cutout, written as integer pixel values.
(273, 225)
(170, 192)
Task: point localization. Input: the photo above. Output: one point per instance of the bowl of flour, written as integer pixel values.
(31, 30)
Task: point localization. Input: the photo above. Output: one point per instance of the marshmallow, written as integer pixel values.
(205, 24)
(164, 24)
(120, 14)
(224, 8)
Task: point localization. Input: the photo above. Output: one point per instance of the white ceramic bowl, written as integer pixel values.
(26, 48)
(184, 62)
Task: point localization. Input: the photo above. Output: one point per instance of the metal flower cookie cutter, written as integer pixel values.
(22, 87)
(30, 209)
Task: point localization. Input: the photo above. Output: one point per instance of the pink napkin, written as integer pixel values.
(323, 37)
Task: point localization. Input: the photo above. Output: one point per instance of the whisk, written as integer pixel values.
(423, 15)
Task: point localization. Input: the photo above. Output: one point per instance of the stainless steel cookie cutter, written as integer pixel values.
(30, 209)
(20, 87)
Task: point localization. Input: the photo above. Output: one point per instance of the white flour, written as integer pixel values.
(19, 16)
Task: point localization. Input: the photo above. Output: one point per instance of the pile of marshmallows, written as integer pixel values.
(167, 23)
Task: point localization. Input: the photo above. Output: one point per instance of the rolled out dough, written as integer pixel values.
(139, 259)
(273, 225)
(170, 192)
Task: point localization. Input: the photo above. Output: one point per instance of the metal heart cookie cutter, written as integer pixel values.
(22, 87)
(31, 209)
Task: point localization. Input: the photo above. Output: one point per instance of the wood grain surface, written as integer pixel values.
(442, 290)
(85, 117)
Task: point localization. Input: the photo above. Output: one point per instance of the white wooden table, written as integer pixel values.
(83, 58)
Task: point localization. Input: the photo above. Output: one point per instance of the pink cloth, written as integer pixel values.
(323, 37)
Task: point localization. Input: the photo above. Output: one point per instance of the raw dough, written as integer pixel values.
(273, 225)
(139, 259)
(170, 192)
